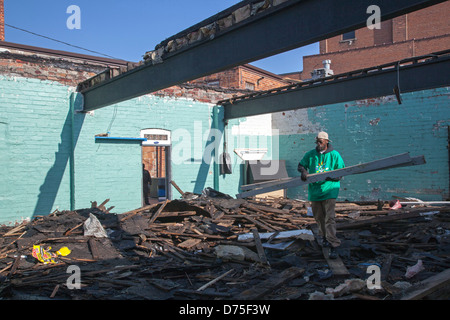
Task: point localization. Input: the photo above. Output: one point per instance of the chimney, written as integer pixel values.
(322, 72)
(2, 21)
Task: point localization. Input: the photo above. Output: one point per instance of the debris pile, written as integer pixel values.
(212, 246)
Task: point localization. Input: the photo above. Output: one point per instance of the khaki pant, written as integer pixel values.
(325, 217)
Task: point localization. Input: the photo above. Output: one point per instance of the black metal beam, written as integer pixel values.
(290, 25)
(409, 75)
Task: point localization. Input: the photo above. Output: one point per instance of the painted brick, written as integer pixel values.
(36, 133)
(371, 129)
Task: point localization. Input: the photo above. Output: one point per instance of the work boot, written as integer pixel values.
(333, 254)
(325, 243)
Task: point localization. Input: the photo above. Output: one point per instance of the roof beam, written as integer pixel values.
(419, 73)
(290, 25)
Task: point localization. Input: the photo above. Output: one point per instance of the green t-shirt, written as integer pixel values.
(316, 162)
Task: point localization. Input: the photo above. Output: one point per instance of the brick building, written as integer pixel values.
(2, 21)
(54, 156)
(246, 77)
(414, 34)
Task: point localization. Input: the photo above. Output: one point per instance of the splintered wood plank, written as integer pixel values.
(428, 286)
(189, 243)
(259, 247)
(159, 211)
(336, 265)
(263, 288)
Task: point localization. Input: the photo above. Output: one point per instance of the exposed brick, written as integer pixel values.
(244, 77)
(414, 34)
(2, 21)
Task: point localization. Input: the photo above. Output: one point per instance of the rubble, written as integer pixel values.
(212, 246)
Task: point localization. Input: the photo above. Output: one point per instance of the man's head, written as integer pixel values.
(322, 141)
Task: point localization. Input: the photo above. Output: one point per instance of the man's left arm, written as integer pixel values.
(338, 163)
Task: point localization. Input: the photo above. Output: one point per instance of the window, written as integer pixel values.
(213, 83)
(249, 86)
(349, 35)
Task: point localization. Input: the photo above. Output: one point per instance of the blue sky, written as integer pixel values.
(123, 29)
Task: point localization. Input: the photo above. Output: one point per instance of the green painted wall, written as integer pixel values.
(38, 131)
(371, 129)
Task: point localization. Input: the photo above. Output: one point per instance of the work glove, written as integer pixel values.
(303, 171)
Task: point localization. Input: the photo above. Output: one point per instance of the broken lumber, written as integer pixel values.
(399, 216)
(259, 247)
(399, 160)
(428, 286)
(265, 287)
(336, 265)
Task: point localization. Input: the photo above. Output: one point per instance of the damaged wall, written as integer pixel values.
(38, 131)
(371, 129)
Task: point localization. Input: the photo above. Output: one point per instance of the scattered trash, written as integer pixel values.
(395, 205)
(403, 285)
(46, 256)
(324, 274)
(179, 245)
(316, 295)
(415, 269)
(227, 252)
(93, 227)
(349, 286)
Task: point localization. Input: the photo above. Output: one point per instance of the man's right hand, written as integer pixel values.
(304, 176)
(303, 171)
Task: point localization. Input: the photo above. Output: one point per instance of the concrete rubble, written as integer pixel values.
(195, 249)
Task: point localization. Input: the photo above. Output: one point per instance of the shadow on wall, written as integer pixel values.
(208, 160)
(69, 137)
(211, 151)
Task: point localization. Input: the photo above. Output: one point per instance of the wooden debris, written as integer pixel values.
(428, 286)
(262, 289)
(165, 250)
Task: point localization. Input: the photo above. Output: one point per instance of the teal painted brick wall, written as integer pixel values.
(37, 131)
(119, 163)
(33, 129)
(371, 129)
(248, 132)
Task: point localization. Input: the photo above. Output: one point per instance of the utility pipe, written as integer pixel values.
(72, 151)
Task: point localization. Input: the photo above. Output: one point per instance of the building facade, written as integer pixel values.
(53, 156)
(417, 33)
(245, 77)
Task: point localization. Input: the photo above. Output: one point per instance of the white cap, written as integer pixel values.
(323, 135)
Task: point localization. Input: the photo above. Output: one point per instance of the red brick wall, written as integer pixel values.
(2, 21)
(260, 81)
(355, 59)
(45, 69)
(71, 73)
(236, 78)
(429, 22)
(151, 157)
(417, 33)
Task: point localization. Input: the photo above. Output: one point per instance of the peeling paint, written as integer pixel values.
(294, 122)
(374, 122)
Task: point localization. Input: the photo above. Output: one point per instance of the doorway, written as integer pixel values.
(156, 159)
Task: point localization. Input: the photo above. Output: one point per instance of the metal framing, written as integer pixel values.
(399, 160)
(418, 73)
(290, 25)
